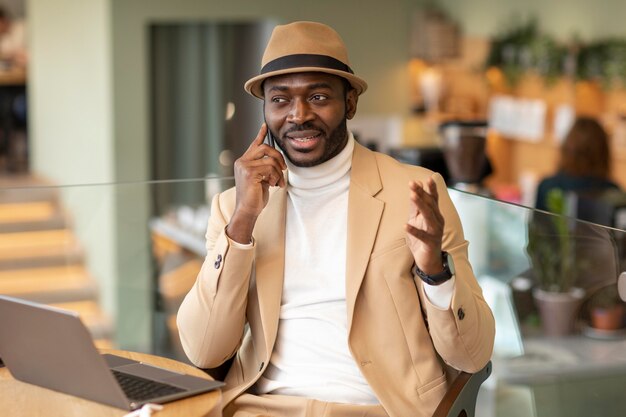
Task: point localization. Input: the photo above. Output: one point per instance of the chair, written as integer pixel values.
(460, 400)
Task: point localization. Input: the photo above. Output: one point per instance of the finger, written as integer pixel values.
(422, 199)
(422, 235)
(274, 178)
(432, 189)
(424, 205)
(252, 151)
(260, 151)
(434, 201)
(431, 217)
(274, 153)
(414, 184)
(264, 162)
(266, 170)
(260, 137)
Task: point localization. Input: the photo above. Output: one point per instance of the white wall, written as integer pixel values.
(69, 85)
(70, 119)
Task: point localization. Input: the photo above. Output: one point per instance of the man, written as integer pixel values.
(309, 283)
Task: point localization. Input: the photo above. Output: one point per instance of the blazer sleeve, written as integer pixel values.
(212, 316)
(463, 334)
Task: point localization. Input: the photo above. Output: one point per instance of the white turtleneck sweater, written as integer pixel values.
(311, 356)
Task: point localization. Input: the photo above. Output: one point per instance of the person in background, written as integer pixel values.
(584, 165)
(336, 281)
(12, 42)
(13, 103)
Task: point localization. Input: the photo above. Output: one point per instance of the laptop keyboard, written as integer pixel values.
(141, 389)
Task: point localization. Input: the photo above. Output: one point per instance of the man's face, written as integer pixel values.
(307, 113)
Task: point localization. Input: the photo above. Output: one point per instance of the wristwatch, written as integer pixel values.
(443, 276)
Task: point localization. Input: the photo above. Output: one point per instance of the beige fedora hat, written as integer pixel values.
(304, 47)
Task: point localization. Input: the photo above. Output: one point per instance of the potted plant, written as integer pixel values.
(606, 309)
(551, 248)
(603, 61)
(521, 48)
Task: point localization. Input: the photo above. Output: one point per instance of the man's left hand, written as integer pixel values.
(425, 226)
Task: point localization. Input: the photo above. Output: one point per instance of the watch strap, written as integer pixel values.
(435, 279)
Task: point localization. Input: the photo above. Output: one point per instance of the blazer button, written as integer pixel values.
(460, 313)
(218, 262)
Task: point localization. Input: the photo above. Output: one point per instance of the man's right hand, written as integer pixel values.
(258, 168)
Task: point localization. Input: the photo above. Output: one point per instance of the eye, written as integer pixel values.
(278, 99)
(318, 97)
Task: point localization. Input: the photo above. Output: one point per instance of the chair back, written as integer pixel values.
(460, 400)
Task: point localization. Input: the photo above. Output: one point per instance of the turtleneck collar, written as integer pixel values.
(325, 173)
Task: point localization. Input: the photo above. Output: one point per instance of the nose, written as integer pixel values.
(300, 112)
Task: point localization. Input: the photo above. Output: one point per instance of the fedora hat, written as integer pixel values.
(304, 47)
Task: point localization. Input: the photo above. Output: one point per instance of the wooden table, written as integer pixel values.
(19, 399)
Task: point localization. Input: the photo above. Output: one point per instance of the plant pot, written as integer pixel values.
(558, 310)
(611, 318)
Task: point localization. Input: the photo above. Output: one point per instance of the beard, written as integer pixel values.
(333, 143)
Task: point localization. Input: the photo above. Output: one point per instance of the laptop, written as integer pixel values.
(52, 348)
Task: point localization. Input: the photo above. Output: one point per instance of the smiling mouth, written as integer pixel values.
(304, 139)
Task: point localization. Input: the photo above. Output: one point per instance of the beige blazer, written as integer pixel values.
(397, 337)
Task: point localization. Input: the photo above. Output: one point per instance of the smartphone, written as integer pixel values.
(269, 138)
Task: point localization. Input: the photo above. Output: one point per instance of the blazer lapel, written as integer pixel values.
(270, 263)
(364, 214)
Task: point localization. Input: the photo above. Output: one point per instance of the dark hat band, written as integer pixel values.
(303, 61)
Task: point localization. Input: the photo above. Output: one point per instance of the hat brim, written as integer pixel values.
(254, 85)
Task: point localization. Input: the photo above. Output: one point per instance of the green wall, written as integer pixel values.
(563, 18)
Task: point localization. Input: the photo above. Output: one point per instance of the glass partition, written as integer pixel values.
(551, 282)
(124, 255)
(119, 254)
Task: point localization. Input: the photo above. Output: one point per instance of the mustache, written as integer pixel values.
(302, 127)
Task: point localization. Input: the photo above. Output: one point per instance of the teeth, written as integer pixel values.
(306, 139)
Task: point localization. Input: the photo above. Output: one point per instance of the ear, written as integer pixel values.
(352, 98)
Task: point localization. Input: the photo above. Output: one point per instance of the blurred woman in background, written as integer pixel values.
(585, 162)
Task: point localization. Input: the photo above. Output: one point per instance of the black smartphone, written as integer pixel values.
(270, 138)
